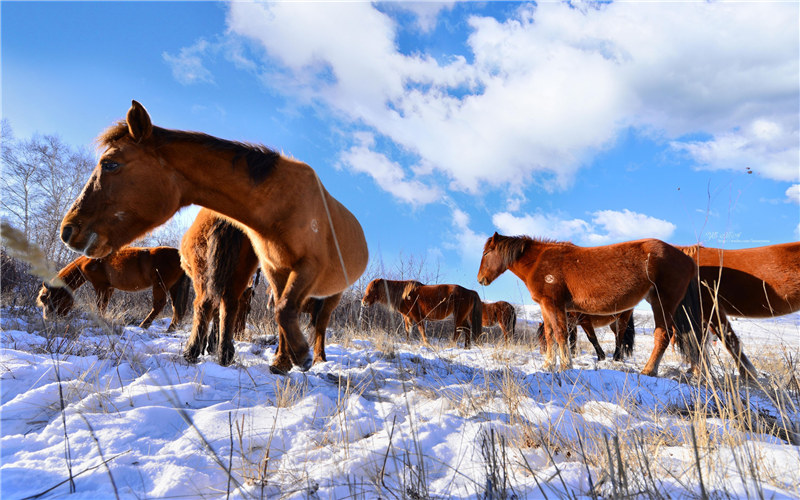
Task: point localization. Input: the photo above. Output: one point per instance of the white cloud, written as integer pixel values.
(606, 226)
(187, 66)
(763, 147)
(386, 173)
(426, 12)
(793, 194)
(626, 225)
(550, 86)
(464, 240)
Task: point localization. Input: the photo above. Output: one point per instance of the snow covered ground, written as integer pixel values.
(123, 414)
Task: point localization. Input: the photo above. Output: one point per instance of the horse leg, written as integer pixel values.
(556, 320)
(586, 324)
(228, 309)
(292, 346)
(623, 336)
(723, 329)
(421, 328)
(203, 307)
(323, 317)
(159, 301)
(461, 322)
(662, 333)
(213, 334)
(408, 326)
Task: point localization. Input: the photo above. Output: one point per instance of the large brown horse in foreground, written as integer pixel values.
(130, 269)
(308, 244)
(417, 302)
(760, 282)
(221, 261)
(500, 313)
(621, 324)
(603, 280)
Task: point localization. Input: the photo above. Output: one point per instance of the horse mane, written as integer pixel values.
(511, 248)
(396, 292)
(260, 159)
(691, 250)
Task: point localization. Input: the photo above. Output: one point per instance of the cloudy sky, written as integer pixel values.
(440, 123)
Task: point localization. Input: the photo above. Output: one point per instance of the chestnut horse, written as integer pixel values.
(760, 282)
(603, 280)
(220, 259)
(308, 244)
(130, 269)
(417, 302)
(624, 335)
(499, 313)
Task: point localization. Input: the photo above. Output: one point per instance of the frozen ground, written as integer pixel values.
(123, 414)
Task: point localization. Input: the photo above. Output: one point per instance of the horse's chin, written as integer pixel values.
(97, 247)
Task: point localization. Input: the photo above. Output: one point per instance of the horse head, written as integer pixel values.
(52, 299)
(374, 293)
(129, 192)
(493, 262)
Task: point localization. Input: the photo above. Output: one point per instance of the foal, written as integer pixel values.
(131, 269)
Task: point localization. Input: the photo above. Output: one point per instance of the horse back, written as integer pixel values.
(310, 225)
(752, 282)
(607, 279)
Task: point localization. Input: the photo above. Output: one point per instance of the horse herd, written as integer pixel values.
(265, 210)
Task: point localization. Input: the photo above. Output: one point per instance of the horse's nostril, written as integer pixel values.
(66, 232)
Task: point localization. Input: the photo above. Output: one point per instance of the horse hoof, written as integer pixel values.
(277, 371)
(190, 358)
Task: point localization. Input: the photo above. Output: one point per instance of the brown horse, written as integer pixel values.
(621, 324)
(221, 261)
(417, 302)
(308, 244)
(601, 280)
(130, 269)
(760, 282)
(500, 313)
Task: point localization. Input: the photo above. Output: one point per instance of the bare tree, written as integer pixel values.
(41, 177)
(20, 180)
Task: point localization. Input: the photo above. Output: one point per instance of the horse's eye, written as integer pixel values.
(109, 166)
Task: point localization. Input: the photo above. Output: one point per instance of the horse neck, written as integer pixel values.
(72, 274)
(522, 265)
(212, 181)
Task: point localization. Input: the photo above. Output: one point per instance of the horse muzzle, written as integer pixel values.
(88, 243)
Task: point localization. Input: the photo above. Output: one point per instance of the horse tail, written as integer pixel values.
(688, 323)
(180, 295)
(628, 338)
(224, 244)
(511, 324)
(477, 315)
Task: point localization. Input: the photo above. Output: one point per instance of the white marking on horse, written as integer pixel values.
(314, 225)
(119, 215)
(549, 279)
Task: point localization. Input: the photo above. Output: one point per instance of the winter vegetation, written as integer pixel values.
(98, 407)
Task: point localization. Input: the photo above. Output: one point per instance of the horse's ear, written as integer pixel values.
(139, 125)
(494, 238)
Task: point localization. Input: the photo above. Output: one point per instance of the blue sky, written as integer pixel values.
(437, 124)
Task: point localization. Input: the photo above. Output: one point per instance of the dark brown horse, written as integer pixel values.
(417, 302)
(603, 280)
(760, 282)
(221, 261)
(308, 244)
(130, 269)
(500, 313)
(621, 324)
